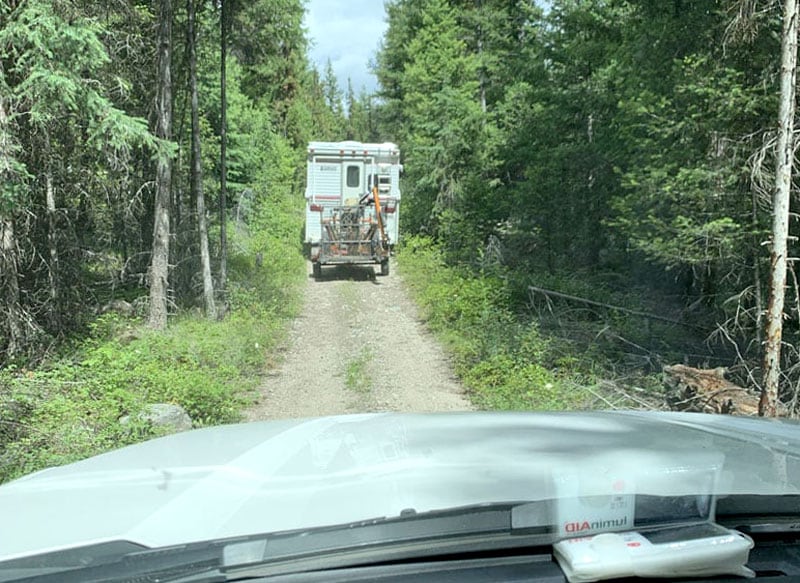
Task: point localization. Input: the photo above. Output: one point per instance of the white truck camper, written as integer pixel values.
(352, 203)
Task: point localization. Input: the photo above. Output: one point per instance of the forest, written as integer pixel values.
(151, 151)
(150, 213)
(619, 151)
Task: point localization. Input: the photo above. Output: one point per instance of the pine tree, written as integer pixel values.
(333, 98)
(64, 136)
(159, 269)
(197, 168)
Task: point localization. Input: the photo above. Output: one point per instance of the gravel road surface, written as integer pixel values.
(358, 346)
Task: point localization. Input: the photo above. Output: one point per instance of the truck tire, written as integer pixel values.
(317, 268)
(385, 267)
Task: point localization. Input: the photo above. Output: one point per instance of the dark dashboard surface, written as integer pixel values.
(775, 559)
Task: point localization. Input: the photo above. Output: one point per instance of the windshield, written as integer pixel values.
(272, 267)
(604, 468)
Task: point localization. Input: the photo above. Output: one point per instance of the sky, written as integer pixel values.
(348, 32)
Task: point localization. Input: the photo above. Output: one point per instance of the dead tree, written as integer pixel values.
(780, 218)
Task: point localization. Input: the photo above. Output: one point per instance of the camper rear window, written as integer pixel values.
(352, 176)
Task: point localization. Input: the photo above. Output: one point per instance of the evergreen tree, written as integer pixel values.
(196, 171)
(159, 268)
(359, 122)
(334, 98)
(64, 133)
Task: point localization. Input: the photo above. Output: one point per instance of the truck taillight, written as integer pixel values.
(390, 210)
(316, 208)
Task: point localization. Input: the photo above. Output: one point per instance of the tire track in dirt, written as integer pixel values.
(358, 346)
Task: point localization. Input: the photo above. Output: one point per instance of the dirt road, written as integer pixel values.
(357, 347)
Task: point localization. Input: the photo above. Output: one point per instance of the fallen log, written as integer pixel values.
(588, 302)
(707, 391)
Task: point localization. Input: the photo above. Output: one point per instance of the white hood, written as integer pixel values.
(272, 476)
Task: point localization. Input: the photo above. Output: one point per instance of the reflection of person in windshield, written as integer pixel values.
(368, 198)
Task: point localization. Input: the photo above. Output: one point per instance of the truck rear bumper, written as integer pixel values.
(350, 260)
(349, 253)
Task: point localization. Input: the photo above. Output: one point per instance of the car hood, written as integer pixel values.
(273, 476)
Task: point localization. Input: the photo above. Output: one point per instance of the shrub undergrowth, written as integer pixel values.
(501, 357)
(71, 407)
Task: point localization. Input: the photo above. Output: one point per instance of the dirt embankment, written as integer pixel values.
(357, 347)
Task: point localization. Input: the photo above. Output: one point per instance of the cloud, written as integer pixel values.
(348, 32)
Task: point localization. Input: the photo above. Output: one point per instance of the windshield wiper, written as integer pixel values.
(409, 534)
(162, 564)
(60, 561)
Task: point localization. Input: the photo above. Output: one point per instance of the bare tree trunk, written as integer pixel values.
(52, 243)
(223, 150)
(197, 169)
(780, 221)
(759, 300)
(482, 67)
(9, 275)
(159, 266)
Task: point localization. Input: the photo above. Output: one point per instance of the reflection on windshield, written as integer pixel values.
(339, 470)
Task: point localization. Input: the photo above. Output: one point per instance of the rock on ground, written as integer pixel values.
(167, 416)
(357, 347)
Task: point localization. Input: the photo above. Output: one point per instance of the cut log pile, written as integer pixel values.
(707, 391)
